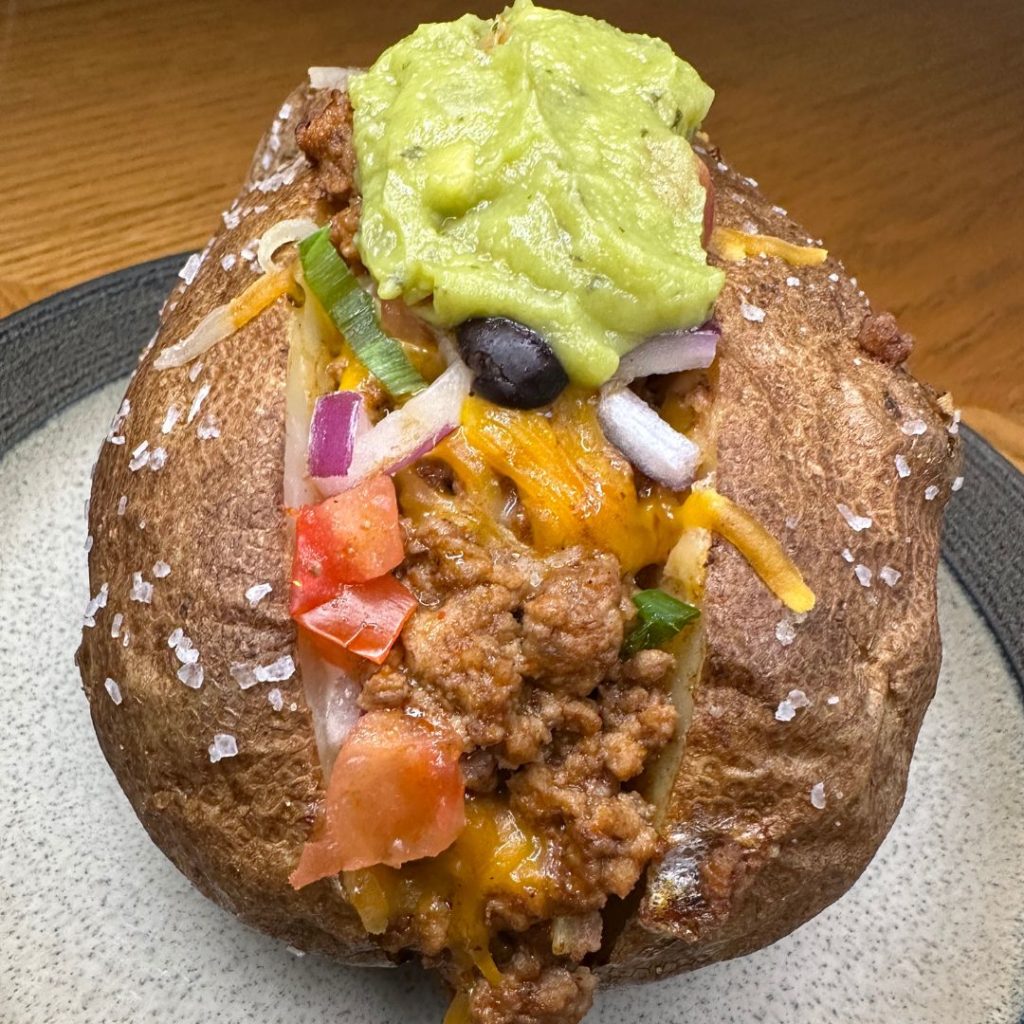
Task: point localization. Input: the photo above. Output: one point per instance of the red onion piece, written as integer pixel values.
(408, 433)
(336, 423)
(671, 352)
(645, 439)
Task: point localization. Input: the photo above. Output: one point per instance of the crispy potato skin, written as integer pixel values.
(214, 513)
(799, 428)
(803, 420)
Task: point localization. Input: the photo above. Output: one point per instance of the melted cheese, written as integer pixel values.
(260, 294)
(573, 484)
(495, 855)
(736, 246)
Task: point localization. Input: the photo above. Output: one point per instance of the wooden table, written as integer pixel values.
(894, 131)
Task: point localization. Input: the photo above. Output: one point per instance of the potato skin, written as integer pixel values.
(799, 428)
(803, 420)
(214, 513)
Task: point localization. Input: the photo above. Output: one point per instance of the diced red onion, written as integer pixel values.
(338, 418)
(281, 233)
(672, 352)
(408, 433)
(217, 325)
(645, 439)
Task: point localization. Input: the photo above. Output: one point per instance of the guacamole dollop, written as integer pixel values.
(537, 167)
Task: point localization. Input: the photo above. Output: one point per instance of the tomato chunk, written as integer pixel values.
(364, 619)
(349, 538)
(396, 794)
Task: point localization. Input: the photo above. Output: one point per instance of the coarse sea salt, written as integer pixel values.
(277, 671)
(176, 636)
(194, 370)
(94, 605)
(191, 268)
(140, 456)
(863, 574)
(275, 699)
(172, 417)
(243, 675)
(954, 427)
(793, 282)
(248, 254)
(818, 796)
(122, 504)
(788, 707)
(832, 699)
(157, 459)
(931, 492)
(113, 689)
(197, 402)
(115, 624)
(232, 218)
(208, 430)
(141, 590)
(191, 674)
(854, 521)
(957, 483)
(785, 633)
(847, 555)
(227, 262)
(256, 593)
(755, 314)
(902, 466)
(833, 277)
(887, 574)
(914, 427)
(223, 745)
(88, 543)
(161, 570)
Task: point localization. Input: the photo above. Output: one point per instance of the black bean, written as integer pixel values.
(512, 365)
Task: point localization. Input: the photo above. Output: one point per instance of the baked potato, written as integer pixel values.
(513, 766)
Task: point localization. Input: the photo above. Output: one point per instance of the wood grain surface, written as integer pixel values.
(894, 131)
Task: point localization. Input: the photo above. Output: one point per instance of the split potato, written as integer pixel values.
(769, 803)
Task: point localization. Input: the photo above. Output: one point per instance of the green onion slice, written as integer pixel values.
(661, 617)
(352, 312)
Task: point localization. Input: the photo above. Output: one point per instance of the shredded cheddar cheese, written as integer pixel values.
(260, 294)
(574, 486)
(709, 510)
(494, 855)
(736, 246)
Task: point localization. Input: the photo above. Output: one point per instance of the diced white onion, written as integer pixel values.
(645, 439)
(331, 694)
(331, 78)
(672, 352)
(215, 326)
(281, 233)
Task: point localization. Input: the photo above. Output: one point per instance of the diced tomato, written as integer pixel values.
(350, 538)
(396, 794)
(364, 619)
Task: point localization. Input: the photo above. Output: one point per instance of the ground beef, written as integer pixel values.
(325, 136)
(521, 653)
(881, 337)
(533, 991)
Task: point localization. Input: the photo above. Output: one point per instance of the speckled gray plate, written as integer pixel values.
(96, 926)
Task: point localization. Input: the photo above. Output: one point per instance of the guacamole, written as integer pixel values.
(537, 167)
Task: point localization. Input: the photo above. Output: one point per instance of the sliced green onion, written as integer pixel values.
(661, 617)
(352, 312)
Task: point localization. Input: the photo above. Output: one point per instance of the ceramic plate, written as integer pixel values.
(96, 926)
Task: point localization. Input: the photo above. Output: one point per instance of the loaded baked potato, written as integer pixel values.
(546, 605)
